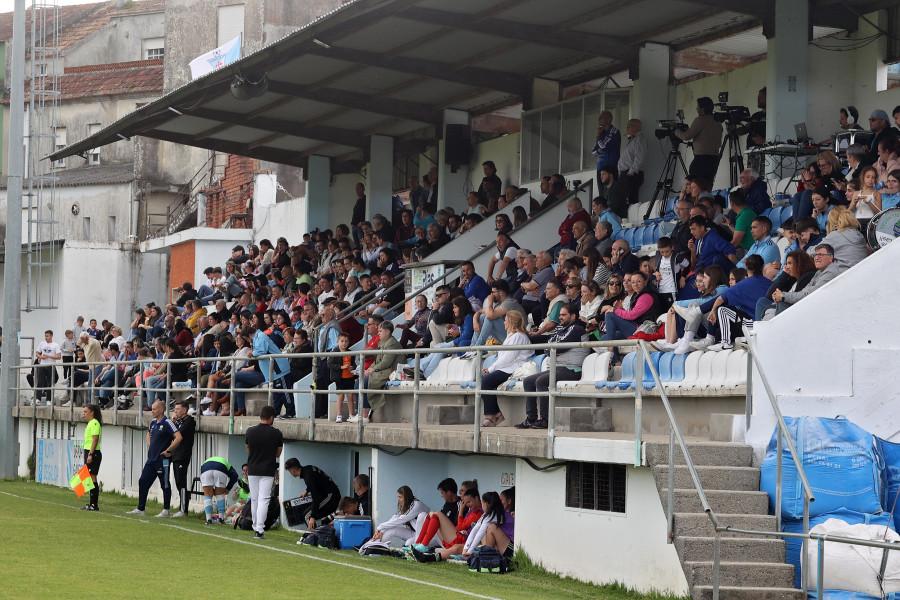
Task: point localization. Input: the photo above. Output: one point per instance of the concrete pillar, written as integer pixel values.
(318, 193)
(653, 99)
(380, 182)
(452, 186)
(788, 62)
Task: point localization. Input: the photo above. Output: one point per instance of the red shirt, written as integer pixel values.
(372, 345)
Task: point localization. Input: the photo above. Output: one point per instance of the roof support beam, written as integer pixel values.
(393, 108)
(759, 9)
(587, 43)
(322, 133)
(485, 78)
(269, 154)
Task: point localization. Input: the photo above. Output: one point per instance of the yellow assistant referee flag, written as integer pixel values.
(82, 482)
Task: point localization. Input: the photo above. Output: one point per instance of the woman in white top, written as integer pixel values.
(590, 300)
(493, 513)
(402, 524)
(507, 362)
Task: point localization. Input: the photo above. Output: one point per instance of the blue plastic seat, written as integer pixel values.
(677, 367)
(665, 366)
(786, 212)
(670, 203)
(651, 234)
(649, 383)
(629, 236)
(627, 379)
(767, 212)
(618, 235)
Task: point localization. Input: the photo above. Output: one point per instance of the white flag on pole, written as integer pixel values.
(214, 59)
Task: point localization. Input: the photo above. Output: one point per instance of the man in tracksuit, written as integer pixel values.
(162, 439)
(320, 488)
(181, 457)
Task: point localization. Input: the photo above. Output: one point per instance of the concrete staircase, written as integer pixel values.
(751, 568)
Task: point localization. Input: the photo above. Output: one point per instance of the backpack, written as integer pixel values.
(323, 535)
(375, 548)
(245, 519)
(486, 559)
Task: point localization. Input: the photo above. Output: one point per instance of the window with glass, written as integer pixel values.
(559, 138)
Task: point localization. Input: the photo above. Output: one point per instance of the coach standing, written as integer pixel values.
(162, 438)
(264, 444)
(181, 457)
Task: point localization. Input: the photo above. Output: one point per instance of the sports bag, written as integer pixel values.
(486, 559)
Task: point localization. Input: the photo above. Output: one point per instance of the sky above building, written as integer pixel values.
(10, 5)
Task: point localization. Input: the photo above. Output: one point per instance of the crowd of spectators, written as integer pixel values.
(337, 287)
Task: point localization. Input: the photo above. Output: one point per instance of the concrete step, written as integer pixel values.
(699, 525)
(749, 549)
(705, 592)
(714, 454)
(721, 501)
(711, 478)
(740, 573)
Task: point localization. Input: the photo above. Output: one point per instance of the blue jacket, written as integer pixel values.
(713, 250)
(263, 344)
(744, 294)
(466, 331)
(607, 148)
(758, 196)
(477, 288)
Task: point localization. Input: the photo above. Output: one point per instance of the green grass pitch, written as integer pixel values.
(53, 550)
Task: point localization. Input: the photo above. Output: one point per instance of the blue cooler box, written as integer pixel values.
(352, 531)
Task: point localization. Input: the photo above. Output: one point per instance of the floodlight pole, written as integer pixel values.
(12, 274)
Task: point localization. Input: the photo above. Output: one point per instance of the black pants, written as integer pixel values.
(153, 470)
(45, 377)
(93, 469)
(633, 184)
(322, 382)
(324, 507)
(180, 470)
(540, 383)
(67, 365)
(705, 166)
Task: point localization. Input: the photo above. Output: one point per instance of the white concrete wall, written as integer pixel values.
(835, 352)
(102, 281)
(504, 151)
(600, 547)
(286, 219)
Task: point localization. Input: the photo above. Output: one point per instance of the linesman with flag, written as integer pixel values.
(92, 455)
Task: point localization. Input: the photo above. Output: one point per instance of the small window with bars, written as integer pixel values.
(596, 486)
(59, 144)
(155, 53)
(93, 153)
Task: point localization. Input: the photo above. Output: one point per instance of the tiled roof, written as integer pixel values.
(91, 175)
(142, 77)
(82, 20)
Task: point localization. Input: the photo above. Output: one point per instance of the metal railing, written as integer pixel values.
(194, 386)
(782, 435)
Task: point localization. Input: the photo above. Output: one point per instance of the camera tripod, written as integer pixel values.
(735, 158)
(666, 178)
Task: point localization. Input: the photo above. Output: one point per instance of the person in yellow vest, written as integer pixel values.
(92, 455)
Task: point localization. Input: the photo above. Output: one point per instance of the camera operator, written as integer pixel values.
(756, 132)
(706, 135)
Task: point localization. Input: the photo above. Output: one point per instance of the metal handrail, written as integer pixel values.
(360, 353)
(675, 434)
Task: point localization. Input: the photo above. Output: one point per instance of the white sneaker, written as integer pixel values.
(137, 512)
(209, 413)
(67, 404)
(682, 347)
(206, 400)
(704, 343)
(720, 346)
(179, 514)
(353, 418)
(164, 514)
(687, 312)
(339, 419)
(49, 403)
(62, 396)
